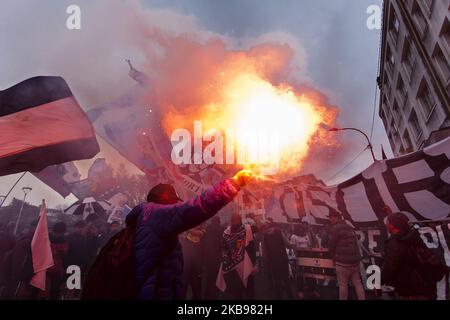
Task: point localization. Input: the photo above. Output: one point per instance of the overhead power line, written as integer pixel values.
(347, 165)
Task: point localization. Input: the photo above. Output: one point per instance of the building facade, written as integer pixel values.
(414, 77)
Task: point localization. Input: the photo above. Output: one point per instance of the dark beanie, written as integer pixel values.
(399, 220)
(163, 194)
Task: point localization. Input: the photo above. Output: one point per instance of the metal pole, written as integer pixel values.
(369, 144)
(15, 183)
(20, 214)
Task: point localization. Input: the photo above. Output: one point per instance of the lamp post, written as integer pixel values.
(369, 145)
(26, 191)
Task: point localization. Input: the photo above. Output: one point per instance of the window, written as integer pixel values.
(408, 4)
(394, 127)
(408, 59)
(397, 114)
(428, 4)
(390, 60)
(385, 101)
(385, 84)
(442, 63)
(415, 125)
(445, 32)
(407, 141)
(402, 89)
(394, 26)
(426, 99)
(420, 20)
(397, 140)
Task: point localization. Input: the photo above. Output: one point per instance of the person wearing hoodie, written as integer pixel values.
(400, 266)
(158, 257)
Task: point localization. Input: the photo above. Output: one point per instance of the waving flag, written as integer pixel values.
(41, 124)
(41, 250)
(60, 177)
(234, 256)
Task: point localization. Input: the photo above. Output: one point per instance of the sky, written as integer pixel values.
(338, 55)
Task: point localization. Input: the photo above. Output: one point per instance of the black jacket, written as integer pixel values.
(400, 266)
(343, 244)
(212, 242)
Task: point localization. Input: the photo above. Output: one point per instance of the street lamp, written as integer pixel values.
(26, 190)
(369, 145)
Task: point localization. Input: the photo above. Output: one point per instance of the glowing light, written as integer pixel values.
(272, 122)
(252, 105)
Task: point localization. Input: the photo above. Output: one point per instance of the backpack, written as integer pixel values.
(111, 277)
(431, 266)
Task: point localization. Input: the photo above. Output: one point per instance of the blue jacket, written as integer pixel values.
(158, 257)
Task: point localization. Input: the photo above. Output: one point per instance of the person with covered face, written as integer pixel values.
(158, 257)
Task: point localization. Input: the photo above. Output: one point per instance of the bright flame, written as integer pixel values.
(272, 120)
(271, 123)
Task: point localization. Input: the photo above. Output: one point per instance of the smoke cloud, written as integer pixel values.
(181, 57)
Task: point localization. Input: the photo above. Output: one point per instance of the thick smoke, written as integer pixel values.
(181, 59)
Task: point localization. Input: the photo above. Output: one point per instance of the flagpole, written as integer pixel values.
(10, 190)
(26, 190)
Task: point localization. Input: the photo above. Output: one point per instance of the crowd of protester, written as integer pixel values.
(271, 251)
(77, 244)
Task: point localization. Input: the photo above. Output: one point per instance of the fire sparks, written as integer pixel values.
(272, 123)
(274, 126)
(268, 129)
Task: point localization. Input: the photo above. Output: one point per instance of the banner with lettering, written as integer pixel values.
(417, 184)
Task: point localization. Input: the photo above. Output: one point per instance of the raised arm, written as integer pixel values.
(184, 216)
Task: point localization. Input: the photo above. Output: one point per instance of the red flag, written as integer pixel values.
(41, 251)
(42, 124)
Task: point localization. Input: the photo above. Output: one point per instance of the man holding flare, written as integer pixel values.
(158, 258)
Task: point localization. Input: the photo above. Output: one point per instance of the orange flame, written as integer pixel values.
(236, 92)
